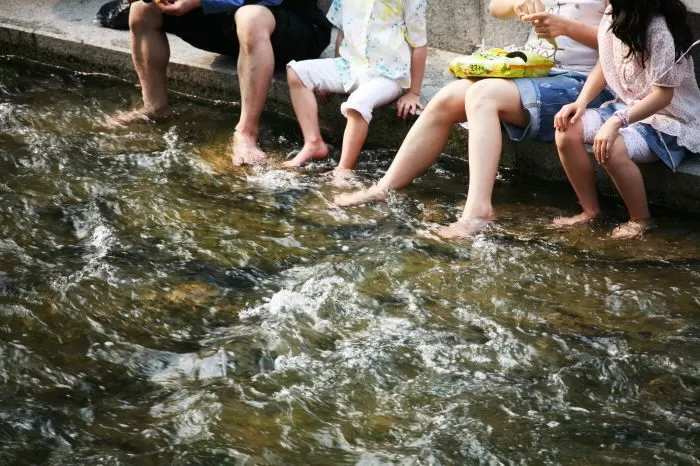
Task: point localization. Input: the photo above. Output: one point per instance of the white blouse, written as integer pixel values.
(378, 37)
(631, 82)
(569, 54)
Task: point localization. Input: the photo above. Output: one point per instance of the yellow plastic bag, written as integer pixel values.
(497, 63)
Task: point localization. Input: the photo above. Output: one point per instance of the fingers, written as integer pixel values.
(561, 119)
(601, 149)
(577, 115)
(405, 108)
(537, 18)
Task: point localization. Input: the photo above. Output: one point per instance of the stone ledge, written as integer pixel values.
(63, 33)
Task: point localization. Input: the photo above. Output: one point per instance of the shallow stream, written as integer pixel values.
(160, 307)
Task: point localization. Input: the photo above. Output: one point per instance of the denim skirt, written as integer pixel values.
(542, 98)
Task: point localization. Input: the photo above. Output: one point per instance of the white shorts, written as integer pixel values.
(322, 75)
(637, 148)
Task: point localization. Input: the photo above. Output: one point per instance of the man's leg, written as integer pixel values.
(422, 146)
(256, 62)
(150, 53)
(487, 103)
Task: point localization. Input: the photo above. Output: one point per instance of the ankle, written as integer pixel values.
(314, 142)
(246, 133)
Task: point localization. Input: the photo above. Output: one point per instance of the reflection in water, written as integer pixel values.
(159, 306)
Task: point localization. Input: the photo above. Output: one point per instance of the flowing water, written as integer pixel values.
(160, 307)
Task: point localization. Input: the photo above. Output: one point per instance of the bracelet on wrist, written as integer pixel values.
(623, 116)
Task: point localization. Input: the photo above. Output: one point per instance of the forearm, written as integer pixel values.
(502, 9)
(657, 100)
(419, 56)
(595, 83)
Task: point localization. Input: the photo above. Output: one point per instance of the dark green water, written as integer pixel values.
(160, 307)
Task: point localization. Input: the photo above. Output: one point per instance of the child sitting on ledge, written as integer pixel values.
(381, 51)
(643, 47)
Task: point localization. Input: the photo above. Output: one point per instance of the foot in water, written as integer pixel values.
(136, 116)
(363, 196)
(633, 229)
(309, 152)
(246, 151)
(583, 217)
(464, 228)
(344, 178)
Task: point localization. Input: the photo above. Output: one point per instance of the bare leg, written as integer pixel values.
(150, 53)
(422, 146)
(579, 169)
(256, 63)
(630, 184)
(487, 103)
(353, 139)
(306, 111)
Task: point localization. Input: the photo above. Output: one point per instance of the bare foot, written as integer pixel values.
(633, 229)
(464, 228)
(245, 150)
(136, 116)
(307, 153)
(583, 217)
(344, 178)
(363, 196)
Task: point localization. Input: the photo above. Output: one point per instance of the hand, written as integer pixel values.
(178, 7)
(605, 138)
(408, 104)
(528, 7)
(568, 115)
(547, 25)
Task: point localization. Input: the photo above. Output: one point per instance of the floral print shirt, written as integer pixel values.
(378, 37)
(632, 82)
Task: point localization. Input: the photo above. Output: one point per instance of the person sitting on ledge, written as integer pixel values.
(525, 107)
(656, 116)
(381, 50)
(263, 35)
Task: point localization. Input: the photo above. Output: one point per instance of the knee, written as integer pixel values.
(293, 79)
(481, 97)
(448, 103)
(254, 26)
(144, 17)
(618, 158)
(571, 137)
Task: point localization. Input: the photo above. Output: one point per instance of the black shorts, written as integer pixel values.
(298, 35)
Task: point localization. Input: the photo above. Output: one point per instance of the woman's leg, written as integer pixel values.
(422, 146)
(579, 169)
(487, 103)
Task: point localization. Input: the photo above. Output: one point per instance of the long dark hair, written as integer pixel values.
(631, 18)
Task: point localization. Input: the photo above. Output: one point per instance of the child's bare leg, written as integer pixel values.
(630, 184)
(422, 146)
(487, 103)
(353, 139)
(306, 110)
(579, 169)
